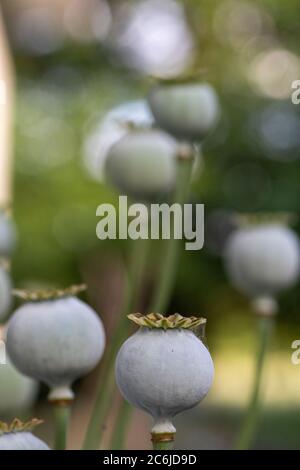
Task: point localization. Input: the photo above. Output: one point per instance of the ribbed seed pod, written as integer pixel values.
(55, 341)
(164, 369)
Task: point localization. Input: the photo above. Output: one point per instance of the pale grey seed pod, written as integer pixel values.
(187, 111)
(56, 342)
(5, 293)
(143, 164)
(262, 260)
(18, 436)
(21, 441)
(164, 370)
(115, 124)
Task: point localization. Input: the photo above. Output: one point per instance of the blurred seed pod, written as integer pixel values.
(143, 164)
(55, 340)
(115, 124)
(17, 392)
(187, 111)
(262, 260)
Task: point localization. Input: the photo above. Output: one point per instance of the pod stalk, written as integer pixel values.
(163, 441)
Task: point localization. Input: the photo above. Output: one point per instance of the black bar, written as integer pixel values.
(87, 460)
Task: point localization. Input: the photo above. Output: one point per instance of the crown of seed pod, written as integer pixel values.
(187, 111)
(5, 293)
(142, 164)
(7, 234)
(263, 259)
(164, 369)
(55, 338)
(18, 436)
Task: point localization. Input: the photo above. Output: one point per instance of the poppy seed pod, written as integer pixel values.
(117, 123)
(261, 260)
(143, 164)
(7, 235)
(187, 111)
(18, 436)
(164, 369)
(55, 340)
(5, 293)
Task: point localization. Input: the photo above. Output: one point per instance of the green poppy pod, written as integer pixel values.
(142, 164)
(187, 111)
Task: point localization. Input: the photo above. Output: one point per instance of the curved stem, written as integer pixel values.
(167, 275)
(62, 416)
(249, 425)
(106, 380)
(121, 426)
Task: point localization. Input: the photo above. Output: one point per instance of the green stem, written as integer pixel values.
(121, 426)
(167, 275)
(62, 417)
(163, 445)
(106, 382)
(247, 431)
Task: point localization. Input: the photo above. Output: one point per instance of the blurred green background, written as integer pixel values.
(74, 63)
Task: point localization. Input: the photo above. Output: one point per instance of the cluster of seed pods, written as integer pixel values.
(164, 368)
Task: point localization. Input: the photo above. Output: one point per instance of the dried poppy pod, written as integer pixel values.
(55, 338)
(5, 292)
(164, 369)
(188, 111)
(263, 259)
(142, 164)
(18, 436)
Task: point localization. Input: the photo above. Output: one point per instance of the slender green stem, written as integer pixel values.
(120, 429)
(167, 275)
(247, 431)
(163, 445)
(62, 416)
(106, 382)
